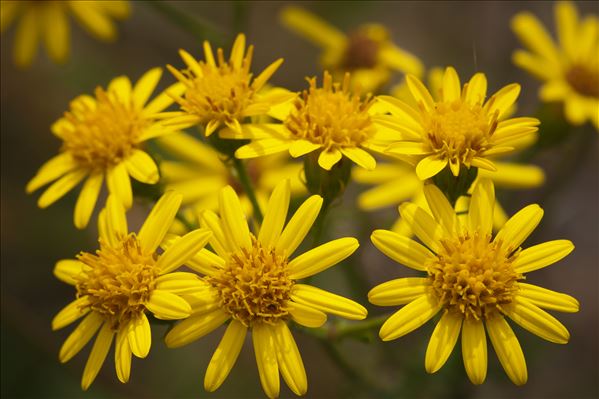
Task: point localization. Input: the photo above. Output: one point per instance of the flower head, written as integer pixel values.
(252, 281)
(48, 21)
(220, 92)
(124, 280)
(367, 52)
(474, 279)
(569, 68)
(331, 119)
(102, 138)
(460, 129)
(199, 173)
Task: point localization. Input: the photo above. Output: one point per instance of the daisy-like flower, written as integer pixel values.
(396, 182)
(331, 119)
(251, 281)
(199, 173)
(368, 52)
(570, 68)
(124, 280)
(48, 21)
(219, 92)
(461, 129)
(474, 280)
(102, 138)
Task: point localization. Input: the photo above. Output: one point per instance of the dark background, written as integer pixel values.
(471, 36)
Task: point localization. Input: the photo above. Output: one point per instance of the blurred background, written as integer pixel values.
(472, 36)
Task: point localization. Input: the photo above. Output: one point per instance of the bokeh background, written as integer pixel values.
(472, 36)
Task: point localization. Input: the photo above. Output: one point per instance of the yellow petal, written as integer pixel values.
(420, 93)
(87, 199)
(119, 184)
(97, 356)
(442, 341)
(401, 249)
(139, 335)
(480, 214)
(327, 302)
(300, 223)
(121, 86)
(322, 257)
(519, 227)
(80, 336)
(181, 283)
(430, 166)
(266, 74)
(452, 89)
(328, 158)
(168, 306)
(312, 28)
(306, 316)
(405, 114)
(302, 147)
(474, 350)
(122, 356)
(234, 222)
(115, 220)
(260, 148)
(423, 225)
(508, 349)
(56, 32)
(26, 38)
(399, 291)
(534, 36)
(218, 242)
(476, 91)
(225, 356)
(266, 358)
(164, 99)
(145, 86)
(61, 187)
(511, 175)
(93, 20)
(51, 170)
(195, 327)
(360, 157)
(542, 255)
(566, 19)
(159, 221)
(536, 320)
(548, 299)
(409, 318)
(73, 311)
(289, 359)
(183, 250)
(205, 262)
(67, 270)
(142, 167)
(502, 100)
(440, 207)
(276, 213)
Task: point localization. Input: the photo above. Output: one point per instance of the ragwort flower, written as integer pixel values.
(474, 279)
(48, 21)
(102, 138)
(219, 92)
(251, 281)
(570, 68)
(460, 129)
(368, 52)
(123, 281)
(331, 119)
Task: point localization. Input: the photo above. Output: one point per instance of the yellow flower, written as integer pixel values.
(461, 128)
(122, 281)
(368, 52)
(331, 119)
(475, 279)
(251, 281)
(219, 92)
(48, 21)
(570, 68)
(199, 173)
(102, 138)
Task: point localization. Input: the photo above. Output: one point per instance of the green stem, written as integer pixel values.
(352, 375)
(337, 332)
(192, 24)
(246, 183)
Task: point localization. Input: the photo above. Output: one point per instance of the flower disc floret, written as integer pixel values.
(254, 286)
(119, 280)
(473, 276)
(584, 79)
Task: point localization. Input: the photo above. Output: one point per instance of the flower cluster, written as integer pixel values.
(224, 196)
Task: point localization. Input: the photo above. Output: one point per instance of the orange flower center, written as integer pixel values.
(584, 80)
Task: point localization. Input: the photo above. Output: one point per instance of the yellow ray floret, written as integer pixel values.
(367, 52)
(222, 92)
(123, 281)
(461, 129)
(474, 279)
(102, 139)
(332, 119)
(48, 21)
(251, 281)
(569, 69)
